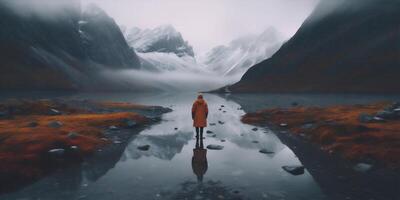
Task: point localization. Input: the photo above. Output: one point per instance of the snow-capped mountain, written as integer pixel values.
(162, 49)
(239, 55)
(163, 39)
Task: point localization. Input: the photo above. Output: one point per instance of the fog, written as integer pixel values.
(41, 8)
(167, 81)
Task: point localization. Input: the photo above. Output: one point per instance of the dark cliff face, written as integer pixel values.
(48, 51)
(344, 46)
(103, 40)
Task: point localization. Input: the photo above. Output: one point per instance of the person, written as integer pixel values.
(199, 116)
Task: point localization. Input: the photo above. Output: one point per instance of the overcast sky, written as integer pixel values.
(207, 23)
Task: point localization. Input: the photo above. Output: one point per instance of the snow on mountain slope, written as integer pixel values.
(237, 57)
(163, 39)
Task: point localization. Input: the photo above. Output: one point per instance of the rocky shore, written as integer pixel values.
(40, 136)
(367, 135)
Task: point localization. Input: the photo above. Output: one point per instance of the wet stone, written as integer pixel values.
(362, 167)
(294, 170)
(221, 122)
(54, 112)
(131, 123)
(113, 128)
(255, 141)
(175, 128)
(144, 147)
(72, 135)
(57, 152)
(215, 147)
(283, 125)
(223, 140)
(209, 132)
(266, 151)
(254, 129)
(213, 124)
(55, 124)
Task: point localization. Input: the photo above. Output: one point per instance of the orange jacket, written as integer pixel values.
(200, 113)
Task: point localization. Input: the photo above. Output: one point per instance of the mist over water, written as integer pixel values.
(169, 80)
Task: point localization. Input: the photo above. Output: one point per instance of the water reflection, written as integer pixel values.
(199, 159)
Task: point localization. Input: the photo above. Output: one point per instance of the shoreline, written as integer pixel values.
(39, 137)
(339, 130)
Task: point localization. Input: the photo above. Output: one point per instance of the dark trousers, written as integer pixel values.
(199, 137)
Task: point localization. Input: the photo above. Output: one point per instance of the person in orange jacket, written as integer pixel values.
(199, 116)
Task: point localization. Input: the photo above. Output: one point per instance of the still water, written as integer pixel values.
(165, 171)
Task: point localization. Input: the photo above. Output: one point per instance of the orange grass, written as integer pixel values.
(337, 130)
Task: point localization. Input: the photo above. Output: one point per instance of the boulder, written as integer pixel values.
(209, 132)
(254, 129)
(55, 124)
(223, 140)
(294, 170)
(144, 147)
(215, 147)
(221, 122)
(266, 151)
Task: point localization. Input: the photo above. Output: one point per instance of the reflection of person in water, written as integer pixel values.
(199, 116)
(199, 160)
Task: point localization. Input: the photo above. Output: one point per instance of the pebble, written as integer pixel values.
(55, 124)
(294, 170)
(144, 147)
(215, 147)
(265, 151)
(254, 129)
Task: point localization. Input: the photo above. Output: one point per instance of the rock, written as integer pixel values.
(144, 147)
(220, 109)
(175, 128)
(362, 167)
(215, 135)
(223, 140)
(55, 124)
(224, 111)
(283, 125)
(72, 135)
(57, 152)
(131, 123)
(254, 129)
(113, 128)
(54, 112)
(209, 132)
(222, 106)
(117, 142)
(213, 124)
(294, 170)
(33, 124)
(295, 104)
(365, 118)
(215, 147)
(307, 126)
(266, 151)
(74, 148)
(255, 141)
(378, 119)
(387, 114)
(221, 122)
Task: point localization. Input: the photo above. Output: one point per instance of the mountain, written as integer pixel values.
(56, 46)
(162, 39)
(343, 46)
(237, 57)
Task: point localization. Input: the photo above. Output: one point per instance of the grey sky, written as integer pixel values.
(207, 23)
